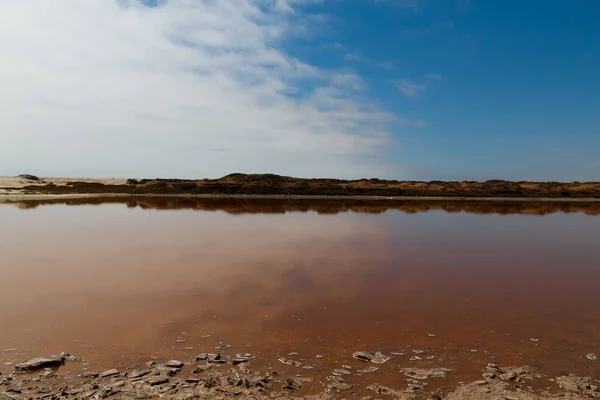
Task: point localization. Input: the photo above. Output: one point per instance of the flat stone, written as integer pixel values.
(108, 372)
(362, 355)
(368, 370)
(139, 373)
(246, 356)
(88, 374)
(341, 371)
(379, 358)
(423, 374)
(293, 363)
(223, 347)
(157, 380)
(39, 363)
(174, 364)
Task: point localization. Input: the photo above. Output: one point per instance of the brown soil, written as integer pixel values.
(268, 184)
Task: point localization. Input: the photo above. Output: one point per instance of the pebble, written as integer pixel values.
(534, 339)
(591, 356)
(340, 371)
(368, 370)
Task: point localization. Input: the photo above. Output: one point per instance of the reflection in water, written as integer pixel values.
(250, 205)
(118, 285)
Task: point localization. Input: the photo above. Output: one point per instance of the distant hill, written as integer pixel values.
(269, 184)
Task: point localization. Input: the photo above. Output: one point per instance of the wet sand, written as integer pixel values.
(119, 285)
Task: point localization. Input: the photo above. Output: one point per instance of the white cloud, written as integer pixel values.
(386, 65)
(411, 89)
(433, 77)
(190, 88)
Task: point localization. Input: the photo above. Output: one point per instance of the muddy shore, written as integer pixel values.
(219, 376)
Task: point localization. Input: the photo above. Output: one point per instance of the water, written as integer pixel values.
(118, 281)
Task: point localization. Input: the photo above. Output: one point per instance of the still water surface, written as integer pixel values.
(126, 280)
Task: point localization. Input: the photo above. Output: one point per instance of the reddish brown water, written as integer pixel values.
(118, 285)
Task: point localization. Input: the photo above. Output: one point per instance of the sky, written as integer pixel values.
(396, 89)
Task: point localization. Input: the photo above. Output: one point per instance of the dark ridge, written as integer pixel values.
(269, 184)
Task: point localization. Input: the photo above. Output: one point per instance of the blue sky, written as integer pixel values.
(519, 94)
(405, 89)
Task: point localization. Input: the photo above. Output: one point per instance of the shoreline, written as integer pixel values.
(24, 197)
(216, 376)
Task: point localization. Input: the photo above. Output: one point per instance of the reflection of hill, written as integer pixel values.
(281, 206)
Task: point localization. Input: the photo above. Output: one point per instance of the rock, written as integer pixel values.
(108, 372)
(423, 374)
(340, 371)
(591, 356)
(47, 373)
(363, 355)
(246, 356)
(236, 361)
(368, 370)
(211, 382)
(132, 182)
(138, 373)
(88, 374)
(578, 384)
(376, 358)
(174, 364)
(293, 363)
(70, 357)
(39, 363)
(379, 389)
(534, 339)
(150, 364)
(8, 350)
(201, 368)
(223, 347)
(157, 380)
(212, 358)
(293, 383)
(517, 374)
(337, 383)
